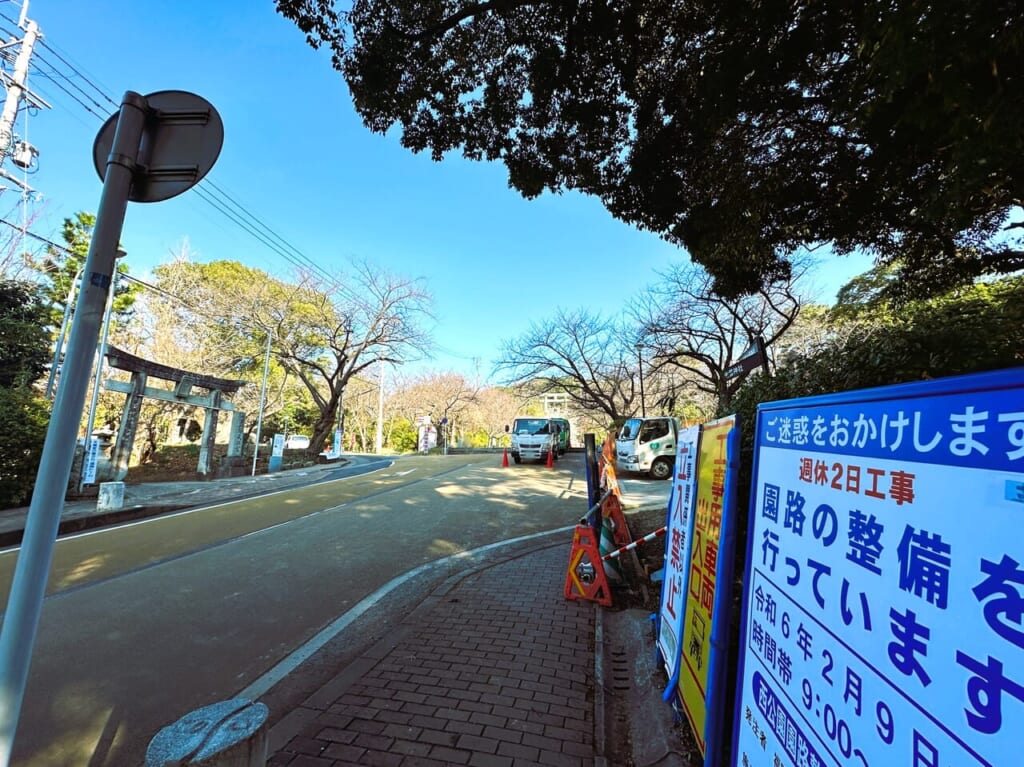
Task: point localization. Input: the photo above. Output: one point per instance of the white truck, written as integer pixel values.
(647, 445)
(533, 438)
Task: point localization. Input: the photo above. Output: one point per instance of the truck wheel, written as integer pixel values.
(661, 468)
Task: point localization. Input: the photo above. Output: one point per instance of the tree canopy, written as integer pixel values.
(743, 132)
(324, 332)
(24, 355)
(684, 324)
(585, 356)
(24, 341)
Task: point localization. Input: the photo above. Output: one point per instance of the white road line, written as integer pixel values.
(185, 512)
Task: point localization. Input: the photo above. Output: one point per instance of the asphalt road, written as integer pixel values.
(148, 621)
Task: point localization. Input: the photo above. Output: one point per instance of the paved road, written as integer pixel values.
(150, 620)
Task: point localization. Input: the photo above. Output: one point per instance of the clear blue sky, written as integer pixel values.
(297, 158)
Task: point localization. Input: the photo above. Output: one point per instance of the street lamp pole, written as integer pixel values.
(379, 441)
(58, 352)
(339, 432)
(640, 359)
(263, 404)
(101, 352)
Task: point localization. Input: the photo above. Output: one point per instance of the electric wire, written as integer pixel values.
(270, 232)
(51, 73)
(81, 103)
(132, 278)
(42, 42)
(210, 192)
(35, 236)
(222, 207)
(74, 69)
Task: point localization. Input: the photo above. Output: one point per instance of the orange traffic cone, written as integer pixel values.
(551, 459)
(504, 459)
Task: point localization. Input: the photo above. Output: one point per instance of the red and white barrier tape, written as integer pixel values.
(634, 544)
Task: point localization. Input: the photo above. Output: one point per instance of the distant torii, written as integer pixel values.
(185, 381)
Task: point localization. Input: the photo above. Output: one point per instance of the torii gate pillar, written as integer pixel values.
(129, 426)
(209, 438)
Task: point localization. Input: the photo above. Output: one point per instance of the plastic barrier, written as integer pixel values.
(585, 578)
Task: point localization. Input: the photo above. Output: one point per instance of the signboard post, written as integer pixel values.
(91, 458)
(708, 600)
(678, 535)
(885, 586)
(153, 148)
(427, 439)
(276, 454)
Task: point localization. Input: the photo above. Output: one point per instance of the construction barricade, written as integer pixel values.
(601, 531)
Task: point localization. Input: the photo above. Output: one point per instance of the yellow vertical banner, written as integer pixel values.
(712, 464)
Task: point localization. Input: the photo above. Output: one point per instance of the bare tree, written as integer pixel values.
(19, 249)
(360, 403)
(585, 356)
(685, 325)
(324, 331)
(494, 408)
(446, 397)
(175, 326)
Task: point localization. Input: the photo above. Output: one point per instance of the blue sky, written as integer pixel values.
(297, 158)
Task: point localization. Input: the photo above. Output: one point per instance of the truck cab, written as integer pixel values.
(647, 445)
(564, 442)
(533, 438)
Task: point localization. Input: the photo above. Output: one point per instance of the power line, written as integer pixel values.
(284, 243)
(52, 49)
(211, 199)
(52, 79)
(122, 275)
(95, 87)
(178, 299)
(210, 192)
(35, 236)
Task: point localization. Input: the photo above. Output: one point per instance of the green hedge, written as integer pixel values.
(25, 416)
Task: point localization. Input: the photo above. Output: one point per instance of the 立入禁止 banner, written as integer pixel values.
(705, 631)
(678, 532)
(884, 589)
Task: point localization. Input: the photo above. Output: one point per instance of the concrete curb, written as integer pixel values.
(292, 723)
(600, 725)
(103, 519)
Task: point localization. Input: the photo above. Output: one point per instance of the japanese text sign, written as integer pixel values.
(92, 457)
(884, 591)
(678, 533)
(706, 615)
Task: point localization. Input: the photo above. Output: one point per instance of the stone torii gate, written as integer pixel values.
(213, 401)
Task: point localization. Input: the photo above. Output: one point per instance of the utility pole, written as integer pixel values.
(22, 153)
(379, 442)
(15, 83)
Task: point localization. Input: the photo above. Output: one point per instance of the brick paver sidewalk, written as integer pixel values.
(496, 668)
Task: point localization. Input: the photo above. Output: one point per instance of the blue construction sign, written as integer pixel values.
(884, 589)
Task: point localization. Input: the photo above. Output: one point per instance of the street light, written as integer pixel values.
(101, 351)
(263, 403)
(339, 432)
(640, 359)
(58, 351)
(379, 440)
